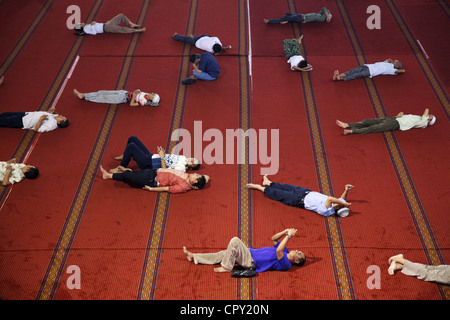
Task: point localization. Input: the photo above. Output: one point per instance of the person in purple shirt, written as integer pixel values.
(277, 257)
(205, 66)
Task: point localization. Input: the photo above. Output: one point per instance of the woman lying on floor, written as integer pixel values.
(165, 180)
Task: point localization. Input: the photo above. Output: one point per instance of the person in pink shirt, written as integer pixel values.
(159, 180)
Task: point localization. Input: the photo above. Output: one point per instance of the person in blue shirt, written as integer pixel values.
(277, 257)
(205, 66)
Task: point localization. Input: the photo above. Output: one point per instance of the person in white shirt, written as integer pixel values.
(304, 198)
(135, 98)
(39, 121)
(12, 172)
(112, 26)
(136, 150)
(400, 122)
(292, 52)
(387, 67)
(203, 42)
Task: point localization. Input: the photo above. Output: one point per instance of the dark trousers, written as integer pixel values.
(290, 17)
(287, 194)
(139, 179)
(138, 151)
(189, 40)
(12, 119)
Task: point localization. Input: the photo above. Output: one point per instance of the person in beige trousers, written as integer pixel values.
(277, 257)
(439, 274)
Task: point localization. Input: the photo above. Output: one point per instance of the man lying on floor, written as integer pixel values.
(39, 121)
(370, 70)
(136, 150)
(304, 198)
(277, 258)
(135, 98)
(159, 180)
(401, 121)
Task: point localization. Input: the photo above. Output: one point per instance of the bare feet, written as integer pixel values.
(398, 258)
(140, 29)
(336, 75)
(106, 174)
(119, 169)
(188, 254)
(221, 269)
(266, 20)
(395, 263)
(341, 124)
(347, 131)
(78, 94)
(266, 181)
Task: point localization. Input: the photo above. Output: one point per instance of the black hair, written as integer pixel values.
(194, 57)
(32, 173)
(217, 48)
(196, 167)
(301, 261)
(63, 123)
(200, 182)
(303, 64)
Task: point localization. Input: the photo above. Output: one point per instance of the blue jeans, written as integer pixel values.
(137, 150)
(203, 76)
(287, 194)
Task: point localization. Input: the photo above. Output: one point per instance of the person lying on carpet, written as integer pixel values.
(292, 52)
(12, 172)
(439, 274)
(205, 67)
(277, 257)
(387, 67)
(401, 122)
(304, 198)
(39, 121)
(323, 15)
(135, 99)
(112, 26)
(203, 42)
(159, 180)
(146, 160)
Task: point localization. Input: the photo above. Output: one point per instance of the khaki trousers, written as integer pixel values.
(237, 252)
(113, 25)
(438, 274)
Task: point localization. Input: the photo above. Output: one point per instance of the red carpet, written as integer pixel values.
(128, 242)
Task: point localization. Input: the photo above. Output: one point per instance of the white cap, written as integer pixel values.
(156, 98)
(343, 212)
(433, 120)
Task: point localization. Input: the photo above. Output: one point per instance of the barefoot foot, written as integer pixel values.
(341, 124)
(336, 75)
(188, 254)
(78, 94)
(221, 269)
(266, 181)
